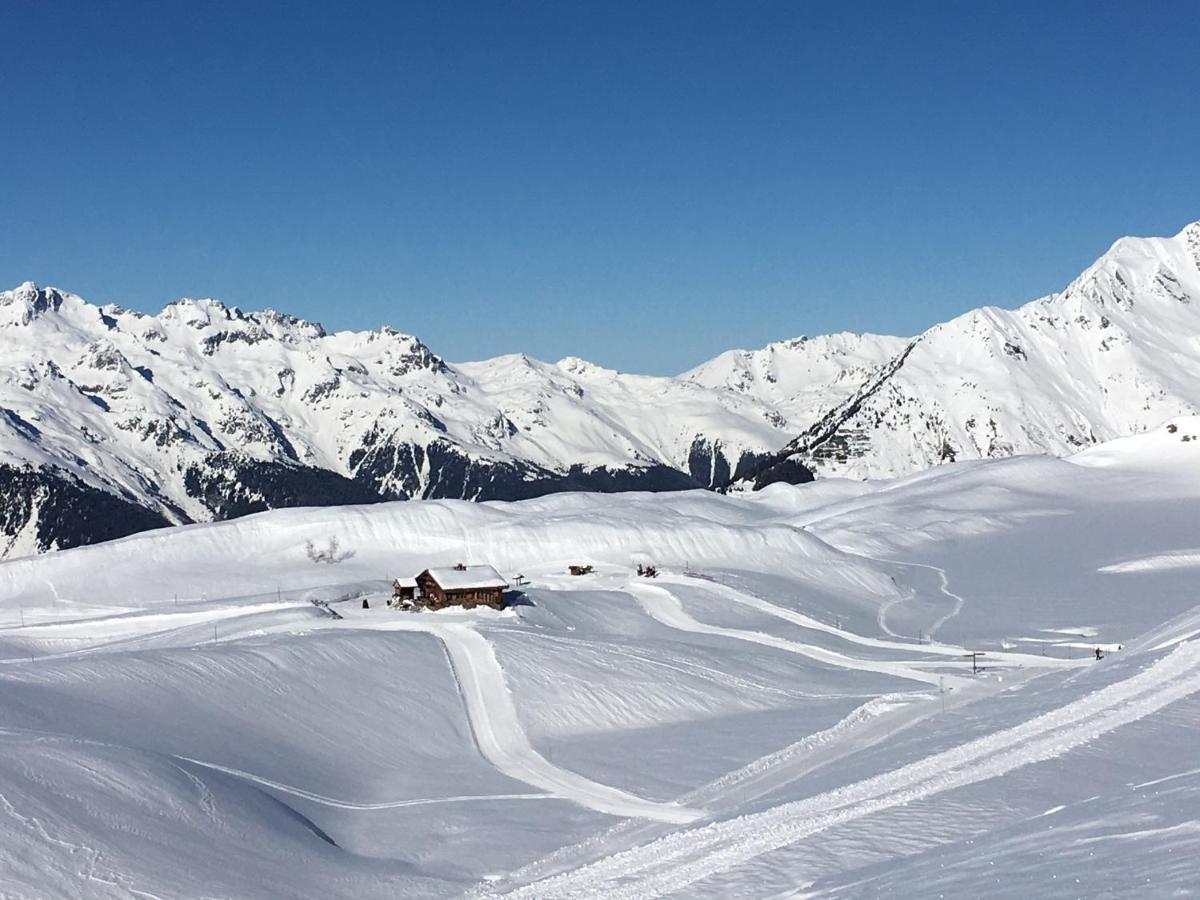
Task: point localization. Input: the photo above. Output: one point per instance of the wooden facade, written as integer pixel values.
(465, 586)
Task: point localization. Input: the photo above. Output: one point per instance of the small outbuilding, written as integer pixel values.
(404, 589)
(466, 586)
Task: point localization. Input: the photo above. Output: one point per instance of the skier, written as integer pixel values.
(367, 605)
(1099, 655)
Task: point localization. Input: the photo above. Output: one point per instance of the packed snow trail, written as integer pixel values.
(489, 706)
(127, 630)
(943, 586)
(674, 862)
(499, 735)
(805, 621)
(932, 649)
(867, 725)
(875, 721)
(664, 606)
(350, 804)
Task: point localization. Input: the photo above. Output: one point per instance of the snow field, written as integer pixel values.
(745, 725)
(674, 862)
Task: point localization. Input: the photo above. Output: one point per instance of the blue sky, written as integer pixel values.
(640, 184)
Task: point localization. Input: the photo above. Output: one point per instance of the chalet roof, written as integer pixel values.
(470, 578)
(405, 581)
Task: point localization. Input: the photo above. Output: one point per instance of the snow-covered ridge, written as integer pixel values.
(205, 411)
(1115, 353)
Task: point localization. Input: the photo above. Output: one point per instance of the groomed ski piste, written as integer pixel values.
(788, 710)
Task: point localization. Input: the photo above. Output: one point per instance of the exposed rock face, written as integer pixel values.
(47, 509)
(788, 471)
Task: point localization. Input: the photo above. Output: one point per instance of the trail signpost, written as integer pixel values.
(974, 655)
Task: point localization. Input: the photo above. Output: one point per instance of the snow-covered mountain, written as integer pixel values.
(112, 421)
(1115, 353)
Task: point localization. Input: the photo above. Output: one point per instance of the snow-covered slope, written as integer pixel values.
(1115, 353)
(183, 715)
(802, 377)
(113, 421)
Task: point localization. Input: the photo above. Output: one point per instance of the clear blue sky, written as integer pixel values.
(641, 184)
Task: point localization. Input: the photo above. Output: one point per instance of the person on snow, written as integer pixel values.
(1099, 655)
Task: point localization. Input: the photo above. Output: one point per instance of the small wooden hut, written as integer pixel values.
(466, 586)
(403, 589)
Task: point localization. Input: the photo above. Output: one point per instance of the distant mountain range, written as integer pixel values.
(113, 421)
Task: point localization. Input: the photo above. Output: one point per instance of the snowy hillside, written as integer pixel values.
(113, 421)
(1115, 353)
(785, 711)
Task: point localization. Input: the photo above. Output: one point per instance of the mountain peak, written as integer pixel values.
(26, 302)
(1191, 239)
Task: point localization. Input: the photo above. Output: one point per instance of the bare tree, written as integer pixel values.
(331, 554)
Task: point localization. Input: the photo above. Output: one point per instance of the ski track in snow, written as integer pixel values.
(932, 649)
(872, 722)
(349, 804)
(943, 586)
(876, 720)
(867, 725)
(489, 705)
(1159, 562)
(661, 604)
(501, 739)
(672, 863)
(761, 604)
(134, 628)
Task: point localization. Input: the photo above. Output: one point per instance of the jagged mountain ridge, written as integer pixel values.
(1115, 353)
(204, 411)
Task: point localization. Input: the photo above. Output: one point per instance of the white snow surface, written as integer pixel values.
(182, 715)
(129, 403)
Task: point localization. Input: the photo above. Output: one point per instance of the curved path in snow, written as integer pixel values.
(805, 621)
(943, 586)
(672, 863)
(873, 722)
(501, 739)
(664, 606)
(938, 649)
(350, 804)
(489, 706)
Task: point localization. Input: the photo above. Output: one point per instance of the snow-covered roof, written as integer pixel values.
(404, 581)
(472, 577)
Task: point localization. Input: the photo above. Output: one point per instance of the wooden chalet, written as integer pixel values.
(404, 589)
(466, 586)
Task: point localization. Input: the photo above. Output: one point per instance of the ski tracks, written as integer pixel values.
(672, 863)
(866, 725)
(350, 804)
(664, 606)
(943, 586)
(502, 741)
(489, 706)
